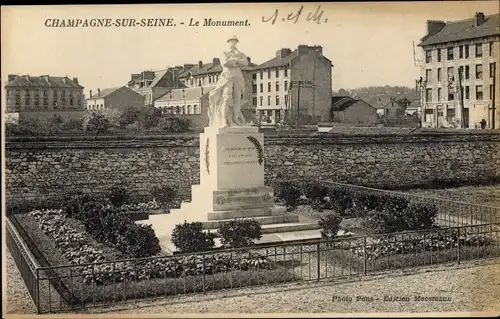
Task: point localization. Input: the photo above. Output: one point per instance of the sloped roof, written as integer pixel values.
(464, 30)
(209, 68)
(341, 103)
(104, 93)
(43, 82)
(185, 94)
(278, 61)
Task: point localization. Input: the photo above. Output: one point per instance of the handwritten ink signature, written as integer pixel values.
(295, 16)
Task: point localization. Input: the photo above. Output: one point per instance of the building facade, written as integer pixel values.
(207, 74)
(294, 86)
(44, 96)
(460, 78)
(348, 110)
(118, 98)
(153, 84)
(189, 102)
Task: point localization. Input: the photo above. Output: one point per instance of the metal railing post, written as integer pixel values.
(364, 255)
(458, 245)
(38, 291)
(318, 246)
(204, 272)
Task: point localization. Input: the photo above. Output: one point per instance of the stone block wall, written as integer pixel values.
(45, 167)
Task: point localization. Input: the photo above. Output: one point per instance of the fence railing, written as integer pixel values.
(115, 282)
(450, 213)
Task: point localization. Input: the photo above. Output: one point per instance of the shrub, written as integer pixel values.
(314, 191)
(287, 192)
(118, 196)
(129, 115)
(330, 225)
(25, 127)
(240, 233)
(190, 237)
(149, 117)
(341, 201)
(72, 124)
(420, 216)
(174, 124)
(97, 124)
(164, 195)
(54, 124)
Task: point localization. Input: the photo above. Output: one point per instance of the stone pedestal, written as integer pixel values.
(232, 186)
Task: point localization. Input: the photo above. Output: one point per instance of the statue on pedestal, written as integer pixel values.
(226, 98)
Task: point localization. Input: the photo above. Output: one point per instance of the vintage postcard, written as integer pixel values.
(251, 159)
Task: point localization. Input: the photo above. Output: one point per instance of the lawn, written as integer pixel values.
(483, 195)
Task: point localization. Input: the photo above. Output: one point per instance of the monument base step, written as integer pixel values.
(263, 220)
(284, 227)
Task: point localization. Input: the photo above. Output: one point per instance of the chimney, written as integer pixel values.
(282, 53)
(188, 66)
(75, 80)
(12, 77)
(90, 93)
(216, 61)
(202, 91)
(98, 92)
(479, 19)
(319, 49)
(434, 26)
(303, 49)
(249, 60)
(200, 64)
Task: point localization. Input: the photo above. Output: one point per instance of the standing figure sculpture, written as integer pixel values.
(226, 98)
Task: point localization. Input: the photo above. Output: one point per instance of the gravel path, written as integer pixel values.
(469, 287)
(17, 296)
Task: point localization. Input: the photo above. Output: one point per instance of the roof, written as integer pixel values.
(464, 30)
(341, 103)
(103, 93)
(278, 61)
(43, 81)
(158, 76)
(209, 68)
(185, 94)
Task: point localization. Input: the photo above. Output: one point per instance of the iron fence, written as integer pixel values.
(450, 213)
(122, 281)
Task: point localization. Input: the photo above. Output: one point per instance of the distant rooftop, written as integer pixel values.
(43, 81)
(185, 94)
(103, 93)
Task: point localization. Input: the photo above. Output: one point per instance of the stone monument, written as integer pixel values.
(231, 168)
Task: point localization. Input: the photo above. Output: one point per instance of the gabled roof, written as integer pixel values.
(185, 94)
(209, 68)
(278, 61)
(341, 103)
(104, 93)
(43, 82)
(464, 30)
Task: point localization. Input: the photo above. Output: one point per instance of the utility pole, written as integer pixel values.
(462, 108)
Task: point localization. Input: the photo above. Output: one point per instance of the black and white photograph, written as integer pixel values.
(251, 159)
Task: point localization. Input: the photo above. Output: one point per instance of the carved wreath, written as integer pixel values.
(207, 156)
(260, 152)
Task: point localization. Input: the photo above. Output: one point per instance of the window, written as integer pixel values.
(261, 75)
(479, 71)
(451, 95)
(490, 48)
(196, 109)
(286, 100)
(286, 72)
(254, 76)
(467, 72)
(269, 100)
(439, 74)
(439, 94)
(450, 114)
(466, 51)
(450, 54)
(261, 87)
(461, 52)
(254, 88)
(428, 56)
(269, 87)
(254, 101)
(439, 55)
(277, 72)
(492, 69)
(190, 109)
(428, 75)
(45, 93)
(210, 79)
(479, 92)
(277, 100)
(286, 85)
(479, 50)
(269, 73)
(70, 100)
(45, 101)
(450, 73)
(428, 94)
(277, 86)
(261, 99)
(467, 92)
(491, 92)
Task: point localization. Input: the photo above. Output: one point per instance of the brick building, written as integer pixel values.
(461, 69)
(119, 98)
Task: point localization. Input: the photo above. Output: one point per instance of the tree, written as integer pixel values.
(150, 117)
(97, 124)
(129, 115)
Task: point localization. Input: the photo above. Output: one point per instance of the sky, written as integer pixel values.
(369, 44)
